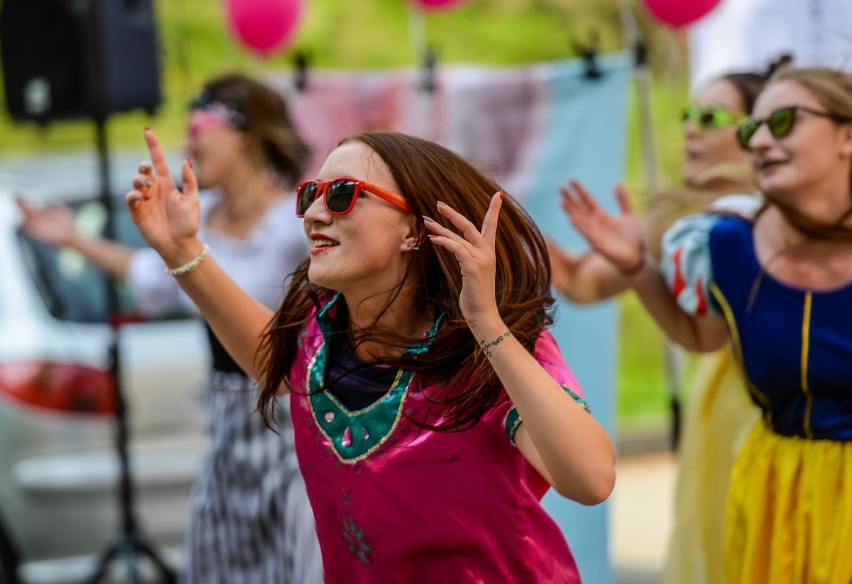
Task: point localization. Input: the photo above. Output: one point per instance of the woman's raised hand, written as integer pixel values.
(474, 250)
(52, 225)
(166, 217)
(618, 238)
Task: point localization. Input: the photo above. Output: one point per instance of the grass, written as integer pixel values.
(344, 34)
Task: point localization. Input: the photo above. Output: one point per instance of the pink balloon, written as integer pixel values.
(264, 26)
(680, 12)
(437, 4)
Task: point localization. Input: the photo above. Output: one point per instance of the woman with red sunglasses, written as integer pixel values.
(250, 520)
(778, 286)
(431, 406)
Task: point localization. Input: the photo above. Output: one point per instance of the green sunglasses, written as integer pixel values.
(710, 118)
(780, 123)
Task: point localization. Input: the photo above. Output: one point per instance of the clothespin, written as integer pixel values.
(430, 64)
(300, 73)
(640, 53)
(589, 53)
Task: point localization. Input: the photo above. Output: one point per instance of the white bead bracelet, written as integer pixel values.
(191, 264)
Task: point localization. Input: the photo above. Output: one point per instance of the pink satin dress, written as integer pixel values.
(396, 503)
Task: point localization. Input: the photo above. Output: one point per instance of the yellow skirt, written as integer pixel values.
(717, 419)
(789, 516)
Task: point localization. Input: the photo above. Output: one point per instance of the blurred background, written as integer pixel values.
(58, 507)
(196, 43)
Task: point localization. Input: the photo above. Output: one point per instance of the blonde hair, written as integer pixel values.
(666, 206)
(833, 90)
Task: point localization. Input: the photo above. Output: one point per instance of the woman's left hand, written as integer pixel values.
(474, 250)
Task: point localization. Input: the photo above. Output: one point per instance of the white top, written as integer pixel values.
(261, 264)
(686, 262)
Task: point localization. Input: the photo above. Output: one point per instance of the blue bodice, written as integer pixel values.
(795, 345)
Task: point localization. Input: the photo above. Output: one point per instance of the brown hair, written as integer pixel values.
(833, 89)
(666, 206)
(426, 173)
(266, 120)
(748, 86)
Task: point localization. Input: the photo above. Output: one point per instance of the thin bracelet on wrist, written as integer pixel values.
(635, 269)
(484, 346)
(191, 264)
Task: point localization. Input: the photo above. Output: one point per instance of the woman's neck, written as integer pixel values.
(402, 317)
(728, 177)
(246, 190)
(246, 196)
(798, 260)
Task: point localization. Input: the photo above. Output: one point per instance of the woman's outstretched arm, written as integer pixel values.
(585, 277)
(620, 240)
(54, 226)
(168, 220)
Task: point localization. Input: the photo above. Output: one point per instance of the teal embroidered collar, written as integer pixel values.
(354, 435)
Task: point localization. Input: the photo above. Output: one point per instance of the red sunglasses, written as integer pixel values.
(341, 194)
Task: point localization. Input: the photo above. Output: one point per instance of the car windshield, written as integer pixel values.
(71, 287)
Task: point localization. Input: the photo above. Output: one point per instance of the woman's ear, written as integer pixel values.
(414, 237)
(411, 244)
(846, 139)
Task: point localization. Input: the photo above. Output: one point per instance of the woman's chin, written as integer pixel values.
(691, 171)
(319, 276)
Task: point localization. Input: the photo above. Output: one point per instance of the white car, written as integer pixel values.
(58, 465)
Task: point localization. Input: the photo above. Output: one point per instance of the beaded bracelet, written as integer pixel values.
(484, 346)
(191, 264)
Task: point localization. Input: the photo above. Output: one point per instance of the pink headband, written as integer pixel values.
(214, 115)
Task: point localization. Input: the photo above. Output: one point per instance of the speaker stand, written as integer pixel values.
(129, 548)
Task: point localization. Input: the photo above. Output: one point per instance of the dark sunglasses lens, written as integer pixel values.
(338, 198)
(781, 121)
(305, 196)
(745, 131)
(707, 120)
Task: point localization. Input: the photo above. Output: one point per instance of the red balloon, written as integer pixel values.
(264, 26)
(437, 4)
(680, 12)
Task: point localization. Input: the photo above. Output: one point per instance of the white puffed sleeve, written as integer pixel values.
(686, 263)
(743, 205)
(154, 292)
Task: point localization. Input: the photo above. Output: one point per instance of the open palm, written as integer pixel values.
(52, 225)
(616, 237)
(166, 217)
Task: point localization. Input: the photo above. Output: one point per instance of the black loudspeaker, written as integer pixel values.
(69, 59)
